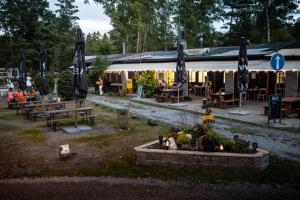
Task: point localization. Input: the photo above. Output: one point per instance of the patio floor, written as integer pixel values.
(255, 108)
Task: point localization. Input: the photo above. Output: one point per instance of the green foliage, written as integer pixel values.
(65, 86)
(96, 44)
(149, 83)
(99, 66)
(241, 146)
(49, 78)
(183, 139)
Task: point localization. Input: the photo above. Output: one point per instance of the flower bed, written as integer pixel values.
(151, 154)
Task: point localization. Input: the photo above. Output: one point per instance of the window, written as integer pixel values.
(280, 78)
(201, 77)
(192, 76)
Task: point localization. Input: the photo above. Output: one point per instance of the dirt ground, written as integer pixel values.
(31, 148)
(136, 189)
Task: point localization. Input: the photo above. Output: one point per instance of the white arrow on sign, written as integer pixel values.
(277, 61)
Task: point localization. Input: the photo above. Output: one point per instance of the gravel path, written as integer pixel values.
(282, 143)
(136, 189)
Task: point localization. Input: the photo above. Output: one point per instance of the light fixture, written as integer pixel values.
(167, 144)
(254, 147)
(221, 147)
(160, 139)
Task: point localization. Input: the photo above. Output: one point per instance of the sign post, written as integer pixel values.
(277, 62)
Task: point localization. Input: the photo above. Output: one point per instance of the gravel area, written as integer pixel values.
(282, 143)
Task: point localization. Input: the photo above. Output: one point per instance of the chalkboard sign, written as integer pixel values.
(274, 108)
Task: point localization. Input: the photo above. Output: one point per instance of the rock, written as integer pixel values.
(152, 122)
(173, 145)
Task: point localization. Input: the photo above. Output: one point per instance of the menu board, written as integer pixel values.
(274, 107)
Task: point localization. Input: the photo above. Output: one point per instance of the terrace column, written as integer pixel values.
(291, 85)
(229, 82)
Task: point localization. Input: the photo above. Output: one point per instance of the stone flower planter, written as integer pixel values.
(147, 156)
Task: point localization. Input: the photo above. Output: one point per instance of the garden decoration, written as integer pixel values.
(22, 71)
(79, 70)
(43, 64)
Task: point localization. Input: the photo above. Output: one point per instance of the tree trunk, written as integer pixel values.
(138, 41)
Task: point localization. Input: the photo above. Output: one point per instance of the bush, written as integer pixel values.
(183, 139)
(99, 66)
(149, 83)
(65, 86)
(49, 79)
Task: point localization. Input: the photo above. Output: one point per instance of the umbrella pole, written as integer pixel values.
(76, 109)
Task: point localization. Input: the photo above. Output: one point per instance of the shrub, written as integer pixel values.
(149, 83)
(241, 146)
(65, 86)
(183, 139)
(49, 79)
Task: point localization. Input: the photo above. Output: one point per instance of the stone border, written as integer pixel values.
(212, 160)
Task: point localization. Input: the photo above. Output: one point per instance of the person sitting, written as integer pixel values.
(10, 98)
(20, 97)
(159, 89)
(32, 95)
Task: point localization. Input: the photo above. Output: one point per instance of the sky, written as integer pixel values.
(92, 17)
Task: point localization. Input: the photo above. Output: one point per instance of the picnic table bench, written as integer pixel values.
(33, 111)
(228, 102)
(266, 111)
(56, 116)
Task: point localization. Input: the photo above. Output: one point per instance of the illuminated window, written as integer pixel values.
(201, 77)
(192, 76)
(280, 78)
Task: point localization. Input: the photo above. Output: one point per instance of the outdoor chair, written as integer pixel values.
(262, 94)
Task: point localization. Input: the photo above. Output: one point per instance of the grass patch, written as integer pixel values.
(8, 116)
(6, 128)
(34, 135)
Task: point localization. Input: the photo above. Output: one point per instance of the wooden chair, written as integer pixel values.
(262, 94)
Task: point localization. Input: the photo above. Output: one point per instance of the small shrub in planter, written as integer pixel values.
(209, 143)
(241, 146)
(182, 139)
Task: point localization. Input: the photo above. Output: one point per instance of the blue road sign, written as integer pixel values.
(277, 61)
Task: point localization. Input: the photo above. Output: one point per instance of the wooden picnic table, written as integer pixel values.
(291, 104)
(66, 113)
(217, 96)
(29, 108)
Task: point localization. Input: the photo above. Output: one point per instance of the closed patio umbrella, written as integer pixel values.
(43, 63)
(22, 71)
(79, 69)
(243, 72)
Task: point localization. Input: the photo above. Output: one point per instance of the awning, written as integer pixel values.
(253, 65)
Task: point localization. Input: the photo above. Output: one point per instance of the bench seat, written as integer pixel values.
(229, 103)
